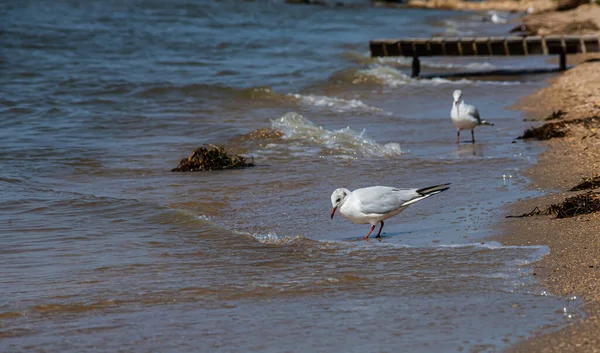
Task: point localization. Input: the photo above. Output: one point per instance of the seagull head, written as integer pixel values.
(337, 199)
(457, 96)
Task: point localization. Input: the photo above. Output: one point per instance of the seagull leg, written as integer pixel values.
(457, 135)
(379, 234)
(472, 136)
(371, 231)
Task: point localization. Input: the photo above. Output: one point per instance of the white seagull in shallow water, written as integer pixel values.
(465, 116)
(377, 203)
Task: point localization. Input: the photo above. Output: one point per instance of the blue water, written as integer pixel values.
(103, 248)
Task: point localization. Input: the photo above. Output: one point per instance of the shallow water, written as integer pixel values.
(102, 247)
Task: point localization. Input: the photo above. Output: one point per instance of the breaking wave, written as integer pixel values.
(391, 77)
(406, 61)
(298, 129)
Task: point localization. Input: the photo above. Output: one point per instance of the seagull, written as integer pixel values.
(494, 17)
(465, 116)
(375, 204)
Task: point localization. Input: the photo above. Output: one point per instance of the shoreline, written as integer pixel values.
(533, 6)
(572, 268)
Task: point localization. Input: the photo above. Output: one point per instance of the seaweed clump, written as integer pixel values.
(545, 132)
(557, 114)
(558, 128)
(586, 203)
(264, 133)
(587, 183)
(211, 157)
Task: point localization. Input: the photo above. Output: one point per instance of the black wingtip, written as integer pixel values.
(434, 189)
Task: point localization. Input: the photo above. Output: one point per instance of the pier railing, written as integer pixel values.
(486, 46)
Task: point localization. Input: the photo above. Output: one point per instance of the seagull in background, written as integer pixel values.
(375, 204)
(465, 116)
(494, 17)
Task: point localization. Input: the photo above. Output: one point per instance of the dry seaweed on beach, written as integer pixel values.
(587, 183)
(545, 132)
(564, 5)
(536, 212)
(558, 128)
(588, 202)
(556, 115)
(211, 157)
(576, 205)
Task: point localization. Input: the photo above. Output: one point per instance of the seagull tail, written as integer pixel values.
(428, 191)
(485, 122)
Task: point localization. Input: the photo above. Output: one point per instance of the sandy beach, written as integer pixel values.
(582, 20)
(572, 268)
(499, 5)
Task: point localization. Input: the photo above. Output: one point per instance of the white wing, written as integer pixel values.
(384, 199)
(472, 111)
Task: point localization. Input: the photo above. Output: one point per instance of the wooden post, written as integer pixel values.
(416, 67)
(563, 61)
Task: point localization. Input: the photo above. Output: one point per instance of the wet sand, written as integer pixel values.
(572, 269)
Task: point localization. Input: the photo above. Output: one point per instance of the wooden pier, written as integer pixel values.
(485, 46)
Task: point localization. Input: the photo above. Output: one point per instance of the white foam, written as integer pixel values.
(274, 239)
(436, 64)
(338, 105)
(295, 127)
(391, 77)
(541, 250)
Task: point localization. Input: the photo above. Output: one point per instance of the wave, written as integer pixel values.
(347, 141)
(391, 77)
(510, 268)
(493, 245)
(537, 251)
(338, 105)
(274, 239)
(406, 61)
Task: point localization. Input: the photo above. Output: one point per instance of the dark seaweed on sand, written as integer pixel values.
(211, 157)
(556, 115)
(558, 128)
(587, 183)
(545, 132)
(588, 202)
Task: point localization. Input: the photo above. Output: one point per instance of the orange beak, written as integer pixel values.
(333, 212)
